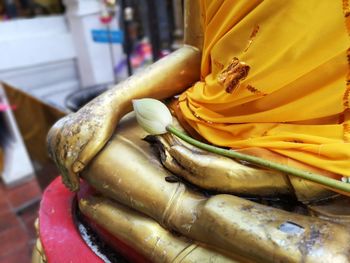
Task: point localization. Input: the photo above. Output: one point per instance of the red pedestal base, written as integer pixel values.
(60, 238)
(58, 233)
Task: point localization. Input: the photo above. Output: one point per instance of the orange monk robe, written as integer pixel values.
(274, 81)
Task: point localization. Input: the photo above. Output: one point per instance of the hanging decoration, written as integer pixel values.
(107, 11)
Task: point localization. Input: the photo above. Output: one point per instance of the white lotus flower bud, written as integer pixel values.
(152, 115)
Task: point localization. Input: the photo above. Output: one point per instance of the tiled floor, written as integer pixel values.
(18, 211)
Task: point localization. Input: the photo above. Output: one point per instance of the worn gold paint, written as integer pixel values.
(193, 34)
(214, 172)
(223, 221)
(38, 254)
(126, 170)
(145, 235)
(77, 138)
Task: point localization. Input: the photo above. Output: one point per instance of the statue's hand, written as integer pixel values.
(77, 138)
(74, 140)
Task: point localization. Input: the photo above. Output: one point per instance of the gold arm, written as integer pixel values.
(76, 139)
(193, 34)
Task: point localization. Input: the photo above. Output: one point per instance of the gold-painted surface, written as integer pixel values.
(129, 172)
(257, 232)
(307, 191)
(135, 174)
(219, 173)
(76, 139)
(145, 235)
(193, 35)
(36, 258)
(38, 254)
(214, 172)
(335, 210)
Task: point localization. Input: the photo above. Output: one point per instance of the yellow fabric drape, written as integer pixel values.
(294, 101)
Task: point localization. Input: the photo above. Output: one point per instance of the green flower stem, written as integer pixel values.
(320, 179)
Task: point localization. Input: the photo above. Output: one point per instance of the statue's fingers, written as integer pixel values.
(92, 147)
(58, 141)
(214, 172)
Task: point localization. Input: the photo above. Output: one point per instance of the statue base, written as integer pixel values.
(62, 237)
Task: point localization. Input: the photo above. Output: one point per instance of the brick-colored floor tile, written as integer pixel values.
(23, 194)
(20, 255)
(28, 217)
(14, 238)
(8, 220)
(18, 210)
(4, 204)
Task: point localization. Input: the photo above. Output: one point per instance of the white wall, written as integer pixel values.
(50, 57)
(32, 42)
(38, 56)
(95, 62)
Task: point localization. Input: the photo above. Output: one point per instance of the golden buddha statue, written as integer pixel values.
(268, 78)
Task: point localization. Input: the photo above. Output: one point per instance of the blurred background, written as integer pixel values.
(55, 56)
